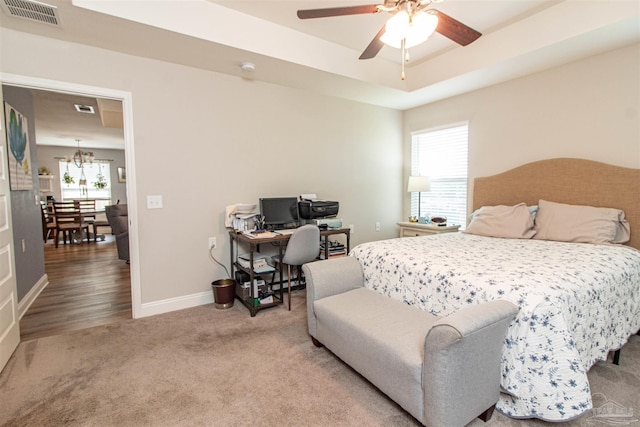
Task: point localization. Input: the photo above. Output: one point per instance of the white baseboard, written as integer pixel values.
(31, 296)
(148, 309)
(173, 304)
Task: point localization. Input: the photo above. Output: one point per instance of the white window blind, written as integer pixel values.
(441, 154)
(72, 191)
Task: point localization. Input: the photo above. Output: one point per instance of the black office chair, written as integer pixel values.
(303, 247)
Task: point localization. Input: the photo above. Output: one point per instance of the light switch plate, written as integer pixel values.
(154, 202)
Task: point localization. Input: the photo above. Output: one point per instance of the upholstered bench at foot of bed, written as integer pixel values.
(444, 371)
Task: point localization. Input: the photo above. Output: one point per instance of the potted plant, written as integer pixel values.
(68, 179)
(101, 183)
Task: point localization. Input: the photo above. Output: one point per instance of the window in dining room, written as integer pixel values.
(441, 154)
(90, 181)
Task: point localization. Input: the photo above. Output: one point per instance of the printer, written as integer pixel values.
(319, 212)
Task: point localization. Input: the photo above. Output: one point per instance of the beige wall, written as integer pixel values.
(587, 109)
(205, 140)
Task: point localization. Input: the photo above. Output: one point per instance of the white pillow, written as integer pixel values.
(583, 224)
(533, 210)
(511, 222)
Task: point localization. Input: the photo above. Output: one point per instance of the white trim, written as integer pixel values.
(8, 263)
(8, 304)
(173, 304)
(441, 127)
(127, 112)
(31, 296)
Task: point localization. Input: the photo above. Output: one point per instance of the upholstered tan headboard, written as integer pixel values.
(563, 180)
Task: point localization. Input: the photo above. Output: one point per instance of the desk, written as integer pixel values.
(280, 241)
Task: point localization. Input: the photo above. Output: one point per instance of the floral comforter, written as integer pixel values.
(577, 302)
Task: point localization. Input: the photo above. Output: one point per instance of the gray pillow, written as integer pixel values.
(583, 224)
(511, 222)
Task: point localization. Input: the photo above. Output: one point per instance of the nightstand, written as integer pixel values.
(413, 229)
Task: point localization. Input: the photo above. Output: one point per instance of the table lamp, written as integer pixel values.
(419, 184)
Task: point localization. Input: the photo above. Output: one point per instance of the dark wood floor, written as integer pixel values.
(88, 286)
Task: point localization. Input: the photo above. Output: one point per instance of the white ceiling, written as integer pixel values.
(59, 123)
(356, 31)
(321, 55)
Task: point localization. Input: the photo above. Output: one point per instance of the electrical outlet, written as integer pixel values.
(352, 228)
(377, 226)
(212, 243)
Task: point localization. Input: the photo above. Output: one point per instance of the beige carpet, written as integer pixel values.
(210, 367)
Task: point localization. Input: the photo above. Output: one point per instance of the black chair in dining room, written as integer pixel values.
(69, 222)
(302, 247)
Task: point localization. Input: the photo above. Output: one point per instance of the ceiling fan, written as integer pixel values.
(411, 24)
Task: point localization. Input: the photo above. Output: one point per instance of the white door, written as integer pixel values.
(9, 322)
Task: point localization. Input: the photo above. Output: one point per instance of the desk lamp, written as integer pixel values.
(418, 184)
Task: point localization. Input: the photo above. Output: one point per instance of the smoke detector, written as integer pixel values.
(248, 67)
(32, 10)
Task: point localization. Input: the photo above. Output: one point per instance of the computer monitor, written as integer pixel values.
(279, 212)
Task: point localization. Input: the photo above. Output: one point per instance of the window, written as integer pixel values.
(441, 154)
(92, 173)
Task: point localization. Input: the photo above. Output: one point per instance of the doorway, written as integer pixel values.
(87, 286)
(125, 99)
(77, 138)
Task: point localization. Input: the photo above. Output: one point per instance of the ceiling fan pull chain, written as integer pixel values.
(404, 53)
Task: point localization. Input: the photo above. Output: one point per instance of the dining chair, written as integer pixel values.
(48, 222)
(302, 247)
(97, 222)
(88, 207)
(69, 221)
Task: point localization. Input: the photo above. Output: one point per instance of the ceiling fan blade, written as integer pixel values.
(337, 11)
(374, 47)
(455, 30)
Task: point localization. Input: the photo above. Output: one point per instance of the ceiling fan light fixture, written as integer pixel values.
(423, 25)
(397, 27)
(414, 30)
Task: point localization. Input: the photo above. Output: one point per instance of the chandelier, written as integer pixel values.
(80, 157)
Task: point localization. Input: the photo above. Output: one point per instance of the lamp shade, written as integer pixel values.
(418, 184)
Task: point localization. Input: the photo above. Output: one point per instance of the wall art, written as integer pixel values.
(20, 172)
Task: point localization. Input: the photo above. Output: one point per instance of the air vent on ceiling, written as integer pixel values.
(32, 10)
(88, 109)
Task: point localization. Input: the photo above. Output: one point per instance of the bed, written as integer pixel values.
(578, 301)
